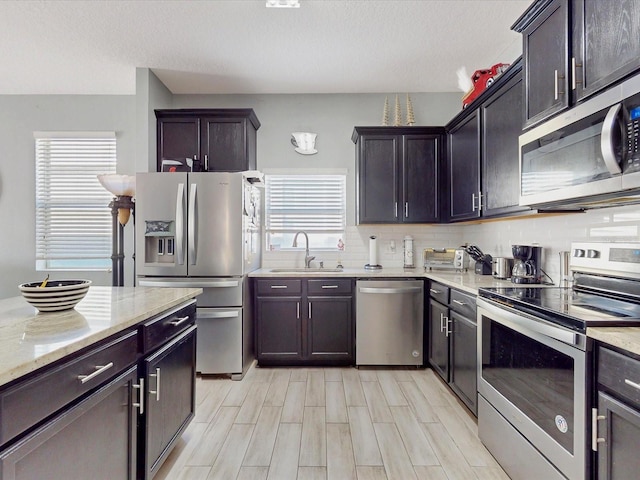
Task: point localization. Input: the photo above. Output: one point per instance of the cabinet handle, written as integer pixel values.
(480, 206)
(447, 331)
(157, 390)
(574, 65)
(435, 292)
(99, 369)
(442, 320)
(309, 310)
(206, 162)
(556, 91)
(595, 440)
(298, 311)
(396, 209)
(632, 384)
(473, 202)
(329, 286)
(179, 321)
(140, 404)
(278, 287)
(458, 302)
(406, 209)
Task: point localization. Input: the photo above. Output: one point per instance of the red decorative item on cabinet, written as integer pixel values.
(482, 79)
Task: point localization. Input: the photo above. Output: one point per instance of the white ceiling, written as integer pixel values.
(239, 46)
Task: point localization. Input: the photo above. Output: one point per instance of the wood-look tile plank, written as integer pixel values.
(229, 461)
(391, 389)
(278, 388)
(336, 403)
(468, 442)
(340, 460)
(293, 409)
(313, 446)
(183, 449)
(402, 375)
(415, 442)
(376, 402)
(253, 403)
(448, 453)
(237, 393)
(312, 473)
(315, 396)
(427, 383)
(260, 374)
(394, 456)
(261, 445)
(299, 375)
(193, 473)
(363, 437)
(418, 402)
(366, 472)
(214, 437)
(284, 463)
(333, 374)
(353, 389)
(430, 473)
(368, 374)
(217, 390)
(490, 473)
(253, 473)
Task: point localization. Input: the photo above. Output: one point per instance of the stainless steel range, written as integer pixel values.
(534, 357)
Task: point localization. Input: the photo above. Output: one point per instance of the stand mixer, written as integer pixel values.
(527, 264)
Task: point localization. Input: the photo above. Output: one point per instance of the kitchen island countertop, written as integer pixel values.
(626, 338)
(30, 339)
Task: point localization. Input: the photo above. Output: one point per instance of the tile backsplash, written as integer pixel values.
(554, 232)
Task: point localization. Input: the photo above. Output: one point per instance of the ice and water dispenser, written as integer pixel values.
(160, 241)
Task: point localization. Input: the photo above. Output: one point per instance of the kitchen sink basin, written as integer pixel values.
(305, 270)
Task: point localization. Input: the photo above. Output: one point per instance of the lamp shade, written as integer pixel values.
(119, 185)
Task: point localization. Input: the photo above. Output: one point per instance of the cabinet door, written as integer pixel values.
(464, 361)
(546, 61)
(438, 339)
(378, 179)
(278, 329)
(330, 330)
(618, 455)
(95, 439)
(605, 43)
(464, 169)
(178, 138)
(170, 397)
(501, 127)
(224, 142)
(420, 154)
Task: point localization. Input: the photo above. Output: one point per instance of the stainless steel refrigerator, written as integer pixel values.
(203, 230)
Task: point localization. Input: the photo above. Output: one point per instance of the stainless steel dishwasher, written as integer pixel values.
(389, 322)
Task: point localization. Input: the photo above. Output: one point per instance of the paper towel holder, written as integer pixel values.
(373, 255)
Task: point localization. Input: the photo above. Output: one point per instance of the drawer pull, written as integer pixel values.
(157, 390)
(329, 286)
(435, 292)
(632, 384)
(595, 440)
(278, 286)
(309, 310)
(99, 369)
(140, 404)
(179, 321)
(458, 302)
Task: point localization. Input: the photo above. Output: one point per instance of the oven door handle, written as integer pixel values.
(503, 316)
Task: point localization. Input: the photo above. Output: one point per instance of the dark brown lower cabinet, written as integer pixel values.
(94, 439)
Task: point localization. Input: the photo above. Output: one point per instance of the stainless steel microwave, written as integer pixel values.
(586, 157)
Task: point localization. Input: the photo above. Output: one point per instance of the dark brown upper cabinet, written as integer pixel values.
(217, 140)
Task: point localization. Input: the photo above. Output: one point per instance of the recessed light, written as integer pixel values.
(283, 4)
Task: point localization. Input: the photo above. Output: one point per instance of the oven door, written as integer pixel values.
(534, 374)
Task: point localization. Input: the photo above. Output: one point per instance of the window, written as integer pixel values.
(73, 219)
(313, 203)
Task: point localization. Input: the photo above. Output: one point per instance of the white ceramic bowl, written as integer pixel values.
(57, 295)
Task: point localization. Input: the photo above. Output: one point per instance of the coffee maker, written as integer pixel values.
(527, 267)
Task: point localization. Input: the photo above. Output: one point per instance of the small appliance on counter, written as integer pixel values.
(439, 258)
(373, 254)
(502, 267)
(483, 261)
(527, 267)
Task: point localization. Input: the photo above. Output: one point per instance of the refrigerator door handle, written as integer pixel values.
(180, 224)
(192, 224)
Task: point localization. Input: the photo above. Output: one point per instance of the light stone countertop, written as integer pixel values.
(30, 339)
(626, 338)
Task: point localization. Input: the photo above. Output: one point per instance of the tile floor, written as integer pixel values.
(329, 423)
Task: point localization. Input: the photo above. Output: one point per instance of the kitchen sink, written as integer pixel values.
(305, 270)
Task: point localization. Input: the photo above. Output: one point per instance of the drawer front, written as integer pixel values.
(463, 303)
(439, 292)
(620, 373)
(162, 328)
(329, 286)
(274, 286)
(33, 400)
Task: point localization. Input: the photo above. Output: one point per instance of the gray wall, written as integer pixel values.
(331, 116)
(20, 116)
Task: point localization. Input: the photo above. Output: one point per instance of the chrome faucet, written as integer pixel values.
(307, 257)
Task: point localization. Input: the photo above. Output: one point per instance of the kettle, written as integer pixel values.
(501, 267)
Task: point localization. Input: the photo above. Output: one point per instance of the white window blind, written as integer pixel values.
(314, 204)
(73, 220)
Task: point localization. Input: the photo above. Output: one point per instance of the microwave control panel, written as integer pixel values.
(633, 133)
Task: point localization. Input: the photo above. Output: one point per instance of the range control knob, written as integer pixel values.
(593, 253)
(578, 252)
